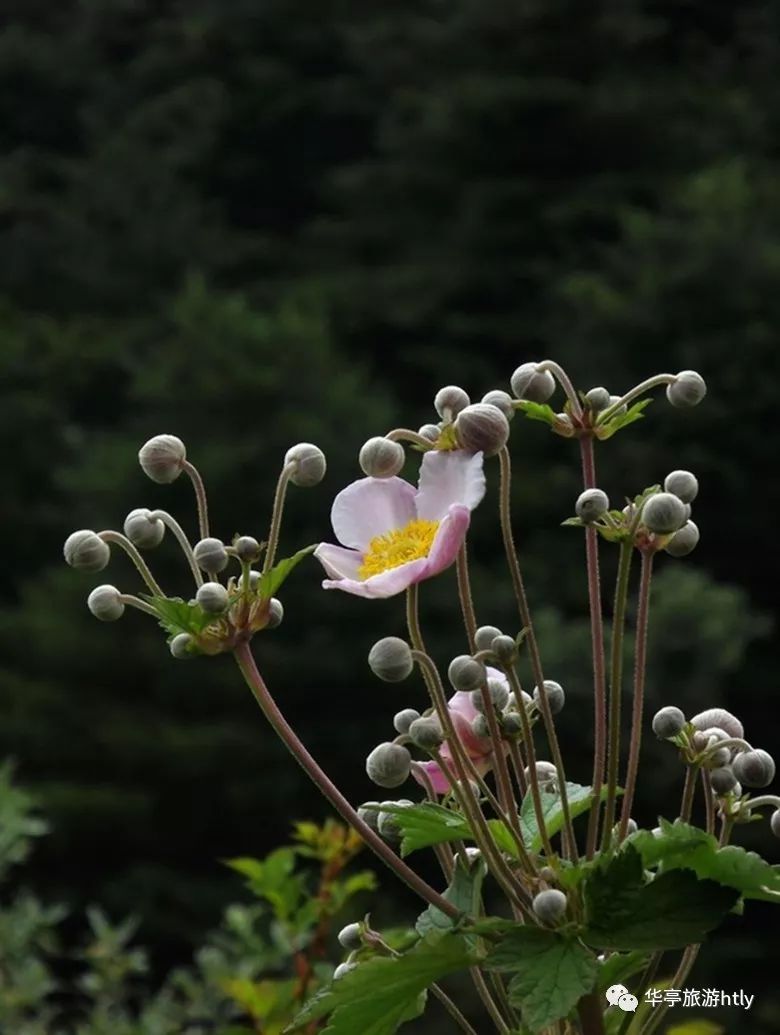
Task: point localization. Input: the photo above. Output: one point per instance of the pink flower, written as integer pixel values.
(394, 535)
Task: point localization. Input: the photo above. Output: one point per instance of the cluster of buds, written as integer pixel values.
(481, 427)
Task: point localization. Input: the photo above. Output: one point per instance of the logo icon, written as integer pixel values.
(619, 995)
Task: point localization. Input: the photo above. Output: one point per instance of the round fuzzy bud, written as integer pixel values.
(430, 432)
(718, 758)
(104, 602)
(591, 504)
(485, 636)
(247, 548)
(501, 400)
(714, 734)
(684, 540)
(212, 597)
(388, 765)
(381, 457)
(668, 722)
(211, 555)
(426, 733)
(720, 719)
(505, 649)
(342, 969)
(465, 673)
(162, 458)
(387, 822)
(597, 399)
(754, 768)
(528, 384)
(350, 937)
(482, 428)
(699, 741)
(546, 774)
(403, 720)
(499, 694)
(550, 905)
(391, 659)
(369, 813)
(275, 613)
(682, 484)
(86, 550)
(308, 462)
(613, 399)
(511, 724)
(688, 389)
(480, 727)
(632, 826)
(556, 698)
(143, 530)
(723, 780)
(663, 513)
(180, 646)
(774, 823)
(450, 401)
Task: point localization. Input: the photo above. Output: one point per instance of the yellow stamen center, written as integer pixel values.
(397, 547)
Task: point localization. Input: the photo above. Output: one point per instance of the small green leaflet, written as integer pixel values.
(427, 824)
(464, 892)
(622, 420)
(381, 993)
(553, 971)
(536, 411)
(177, 616)
(620, 966)
(579, 798)
(271, 580)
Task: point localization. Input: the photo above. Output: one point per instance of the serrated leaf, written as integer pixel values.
(464, 892)
(381, 993)
(178, 616)
(553, 971)
(272, 579)
(579, 798)
(622, 420)
(536, 411)
(673, 910)
(573, 522)
(427, 824)
(620, 966)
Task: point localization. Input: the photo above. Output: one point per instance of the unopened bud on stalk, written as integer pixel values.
(308, 462)
(684, 540)
(391, 659)
(105, 603)
(720, 719)
(688, 389)
(162, 458)
(350, 937)
(86, 551)
(774, 823)
(485, 635)
(388, 765)
(403, 720)
(369, 813)
(597, 399)
(430, 432)
(546, 774)
(631, 827)
(591, 505)
(668, 722)
(723, 779)
(682, 484)
(211, 555)
(528, 383)
(754, 768)
(143, 530)
(511, 723)
(613, 399)
(275, 613)
(465, 673)
(556, 697)
(718, 758)
(426, 733)
(501, 400)
(180, 646)
(482, 428)
(550, 905)
(449, 402)
(663, 513)
(381, 457)
(505, 649)
(247, 549)
(387, 824)
(342, 969)
(499, 694)
(480, 727)
(212, 597)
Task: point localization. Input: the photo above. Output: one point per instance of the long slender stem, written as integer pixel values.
(636, 391)
(453, 1010)
(597, 650)
(616, 686)
(709, 804)
(140, 605)
(466, 599)
(289, 738)
(533, 777)
(200, 498)
(407, 435)
(181, 538)
(564, 381)
(276, 516)
(109, 536)
(591, 1014)
(640, 667)
(689, 790)
(510, 549)
(678, 981)
(487, 999)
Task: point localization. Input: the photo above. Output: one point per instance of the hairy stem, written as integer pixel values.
(181, 538)
(466, 599)
(276, 516)
(640, 389)
(200, 498)
(689, 789)
(109, 536)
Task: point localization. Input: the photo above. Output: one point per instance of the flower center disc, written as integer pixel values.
(398, 547)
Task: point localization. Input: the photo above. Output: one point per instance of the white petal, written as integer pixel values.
(448, 477)
(371, 507)
(338, 562)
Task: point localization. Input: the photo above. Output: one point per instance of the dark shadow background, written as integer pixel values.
(255, 222)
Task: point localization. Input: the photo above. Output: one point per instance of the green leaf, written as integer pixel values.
(464, 892)
(428, 824)
(620, 966)
(177, 616)
(271, 580)
(579, 798)
(536, 411)
(622, 420)
(673, 910)
(381, 993)
(552, 970)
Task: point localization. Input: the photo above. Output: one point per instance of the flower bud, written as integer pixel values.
(450, 401)
(275, 613)
(180, 646)
(342, 969)
(482, 428)
(530, 385)
(431, 432)
(212, 597)
(391, 659)
(754, 768)
(632, 826)
(774, 823)
(699, 741)
(546, 774)
(718, 758)
(668, 722)
(381, 457)
(556, 698)
(104, 602)
(721, 719)
(247, 548)
(485, 635)
(723, 779)
(369, 813)
(211, 555)
(465, 673)
(683, 485)
(308, 462)
(550, 905)
(499, 694)
(351, 937)
(86, 550)
(511, 724)
(403, 720)
(480, 726)
(387, 823)
(597, 399)
(684, 540)
(426, 733)
(591, 505)
(388, 765)
(143, 530)
(501, 400)
(687, 389)
(663, 513)
(613, 399)
(505, 649)
(162, 458)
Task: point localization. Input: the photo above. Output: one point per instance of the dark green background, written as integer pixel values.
(251, 223)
